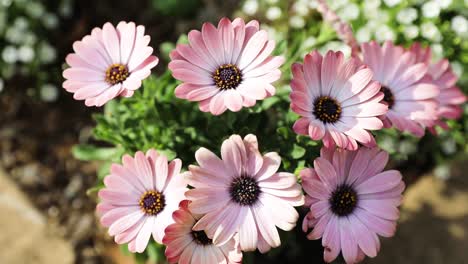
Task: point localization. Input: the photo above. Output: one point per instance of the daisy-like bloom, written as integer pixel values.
(185, 246)
(409, 91)
(450, 97)
(228, 67)
(351, 201)
(108, 63)
(140, 197)
(337, 100)
(244, 193)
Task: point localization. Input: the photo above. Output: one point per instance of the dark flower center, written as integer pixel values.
(201, 238)
(116, 73)
(343, 200)
(244, 190)
(227, 76)
(152, 202)
(388, 96)
(327, 109)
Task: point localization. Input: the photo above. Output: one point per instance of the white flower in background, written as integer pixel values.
(388, 143)
(273, 13)
(35, 9)
(50, 21)
(5, 3)
(372, 25)
(46, 53)
(49, 93)
(309, 42)
(313, 4)
(391, 3)
(437, 51)
(29, 38)
(250, 7)
(25, 54)
(363, 34)
(430, 32)
(383, 33)
(407, 15)
(13, 35)
(411, 31)
(335, 4)
(442, 172)
(371, 4)
(457, 68)
(449, 146)
(444, 3)
(336, 46)
(460, 25)
(300, 8)
(65, 8)
(296, 22)
(2, 85)
(407, 147)
(349, 12)
(10, 54)
(431, 9)
(21, 23)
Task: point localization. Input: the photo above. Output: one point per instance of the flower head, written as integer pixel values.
(351, 201)
(108, 63)
(337, 100)
(228, 67)
(140, 197)
(409, 92)
(450, 97)
(185, 246)
(243, 193)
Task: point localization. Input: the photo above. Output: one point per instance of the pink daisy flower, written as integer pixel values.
(450, 97)
(351, 201)
(185, 246)
(244, 193)
(337, 100)
(140, 197)
(108, 63)
(409, 92)
(228, 67)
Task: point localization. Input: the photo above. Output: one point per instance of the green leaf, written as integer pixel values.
(297, 152)
(90, 152)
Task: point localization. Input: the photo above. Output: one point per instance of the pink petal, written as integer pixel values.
(217, 105)
(111, 42)
(330, 64)
(380, 182)
(144, 234)
(127, 32)
(233, 100)
(271, 163)
(326, 172)
(349, 245)
(331, 240)
(252, 49)
(266, 226)
(209, 161)
(213, 42)
(248, 232)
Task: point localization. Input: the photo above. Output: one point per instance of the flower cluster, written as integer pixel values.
(22, 51)
(237, 201)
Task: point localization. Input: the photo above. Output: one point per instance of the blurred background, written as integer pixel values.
(47, 210)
